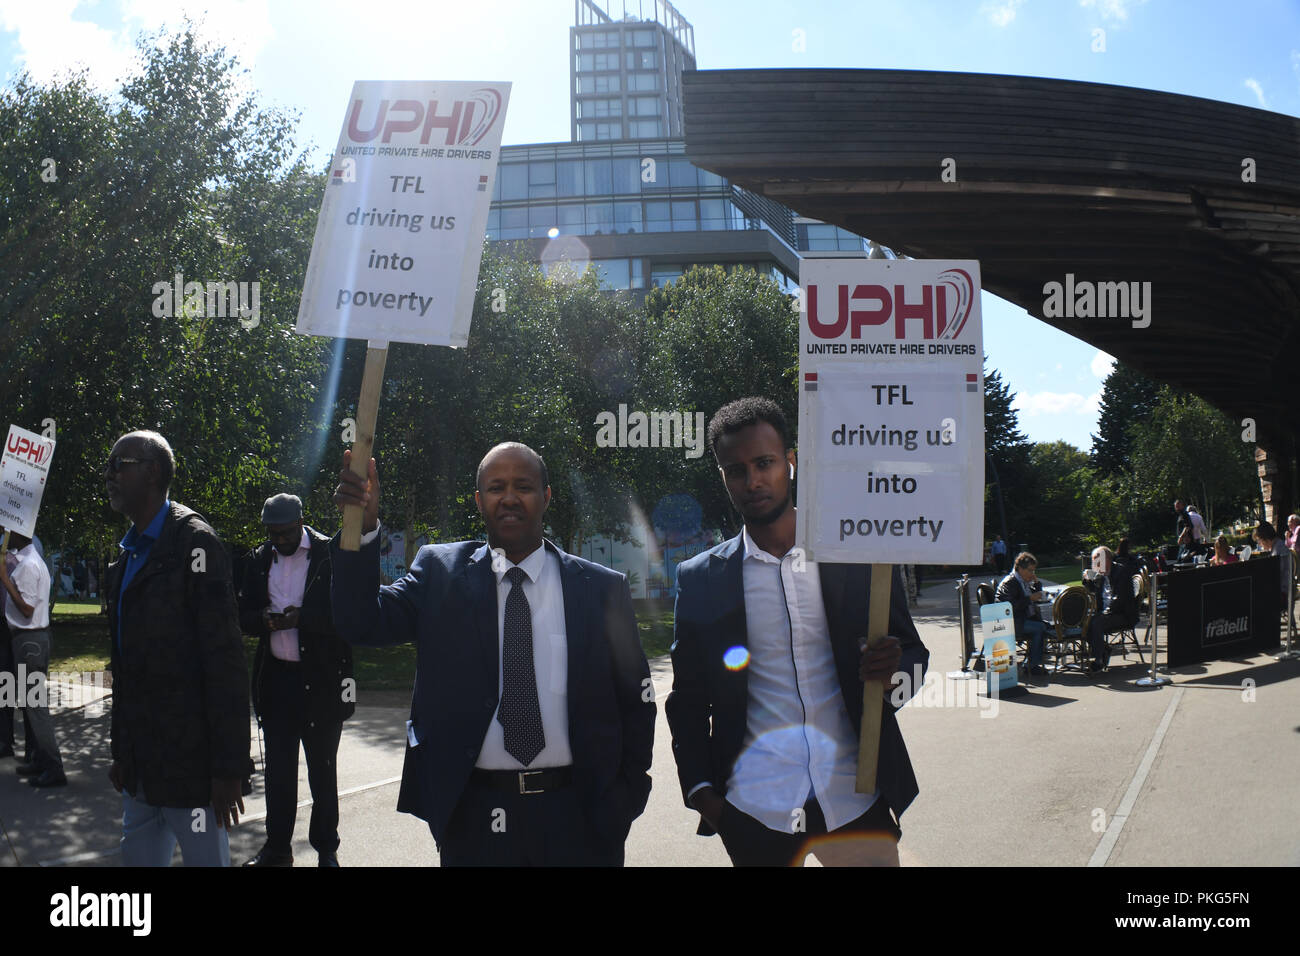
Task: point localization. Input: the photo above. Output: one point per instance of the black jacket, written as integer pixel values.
(708, 708)
(1009, 589)
(326, 659)
(180, 682)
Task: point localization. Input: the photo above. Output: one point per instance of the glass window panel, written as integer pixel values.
(662, 275)
(627, 217)
(627, 175)
(684, 216)
(568, 177)
(643, 81)
(514, 181)
(494, 224)
(543, 215)
(645, 105)
(647, 59)
(599, 181)
(643, 38)
(683, 175)
(600, 217)
(586, 61)
(660, 180)
(657, 217)
(514, 223)
(613, 273)
(587, 131)
(822, 245)
(572, 218)
(713, 214)
(638, 276)
(609, 130)
(710, 180)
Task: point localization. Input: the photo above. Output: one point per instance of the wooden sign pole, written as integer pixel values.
(873, 691)
(372, 381)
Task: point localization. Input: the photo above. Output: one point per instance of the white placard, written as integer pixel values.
(401, 227)
(891, 411)
(23, 470)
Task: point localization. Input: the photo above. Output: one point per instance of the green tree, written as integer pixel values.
(1127, 396)
(177, 174)
(1188, 449)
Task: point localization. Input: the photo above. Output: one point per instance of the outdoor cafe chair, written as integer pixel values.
(1129, 633)
(1071, 612)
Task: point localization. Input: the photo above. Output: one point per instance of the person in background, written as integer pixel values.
(1222, 553)
(303, 687)
(1269, 541)
(1117, 607)
(1018, 588)
(27, 611)
(1293, 535)
(998, 550)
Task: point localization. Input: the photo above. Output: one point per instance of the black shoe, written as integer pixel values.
(27, 770)
(266, 857)
(50, 778)
(6, 752)
(327, 859)
(1038, 671)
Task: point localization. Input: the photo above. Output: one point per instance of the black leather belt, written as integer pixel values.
(523, 781)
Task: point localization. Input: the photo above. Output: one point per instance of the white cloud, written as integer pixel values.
(51, 42)
(1112, 9)
(1102, 364)
(1056, 403)
(1001, 12)
(1252, 84)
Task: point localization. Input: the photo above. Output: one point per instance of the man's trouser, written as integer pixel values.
(285, 722)
(31, 650)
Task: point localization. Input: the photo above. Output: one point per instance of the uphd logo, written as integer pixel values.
(74, 908)
(34, 452)
(466, 124)
(1101, 300)
(943, 310)
(666, 430)
(222, 299)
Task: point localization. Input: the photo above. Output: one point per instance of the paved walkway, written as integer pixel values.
(1077, 772)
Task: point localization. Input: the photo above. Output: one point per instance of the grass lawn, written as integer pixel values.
(1066, 574)
(80, 643)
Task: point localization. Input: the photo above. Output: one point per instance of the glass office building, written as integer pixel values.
(622, 195)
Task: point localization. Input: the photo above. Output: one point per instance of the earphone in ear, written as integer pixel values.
(792, 472)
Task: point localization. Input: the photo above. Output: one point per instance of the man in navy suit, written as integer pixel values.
(533, 714)
(768, 669)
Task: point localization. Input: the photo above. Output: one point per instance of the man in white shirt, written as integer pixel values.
(27, 612)
(769, 664)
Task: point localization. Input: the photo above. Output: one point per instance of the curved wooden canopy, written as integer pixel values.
(1053, 177)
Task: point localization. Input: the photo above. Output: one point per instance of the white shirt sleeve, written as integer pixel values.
(370, 536)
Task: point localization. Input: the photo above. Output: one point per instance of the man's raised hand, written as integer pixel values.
(364, 493)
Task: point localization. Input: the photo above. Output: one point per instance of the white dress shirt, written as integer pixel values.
(545, 593)
(799, 740)
(32, 579)
(286, 583)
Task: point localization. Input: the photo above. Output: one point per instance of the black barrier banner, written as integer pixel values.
(1229, 611)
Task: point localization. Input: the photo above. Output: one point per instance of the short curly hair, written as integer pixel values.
(743, 413)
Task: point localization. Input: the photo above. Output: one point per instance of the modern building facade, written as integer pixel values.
(621, 195)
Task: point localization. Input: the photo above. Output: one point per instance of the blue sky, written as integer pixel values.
(303, 55)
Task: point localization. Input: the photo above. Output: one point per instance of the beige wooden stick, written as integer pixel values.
(372, 381)
(873, 691)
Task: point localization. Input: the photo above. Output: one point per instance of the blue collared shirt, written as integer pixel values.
(138, 544)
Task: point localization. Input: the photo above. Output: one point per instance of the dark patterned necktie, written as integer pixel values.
(520, 714)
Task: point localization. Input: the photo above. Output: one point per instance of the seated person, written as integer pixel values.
(1222, 553)
(1269, 541)
(1112, 585)
(1017, 588)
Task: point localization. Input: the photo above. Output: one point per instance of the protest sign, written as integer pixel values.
(891, 428)
(400, 234)
(891, 412)
(23, 470)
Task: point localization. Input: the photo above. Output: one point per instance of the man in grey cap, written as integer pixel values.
(303, 687)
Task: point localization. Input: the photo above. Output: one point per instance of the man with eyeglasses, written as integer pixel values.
(303, 687)
(180, 683)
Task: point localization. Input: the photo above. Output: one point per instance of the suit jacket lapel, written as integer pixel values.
(577, 608)
(727, 579)
(481, 583)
